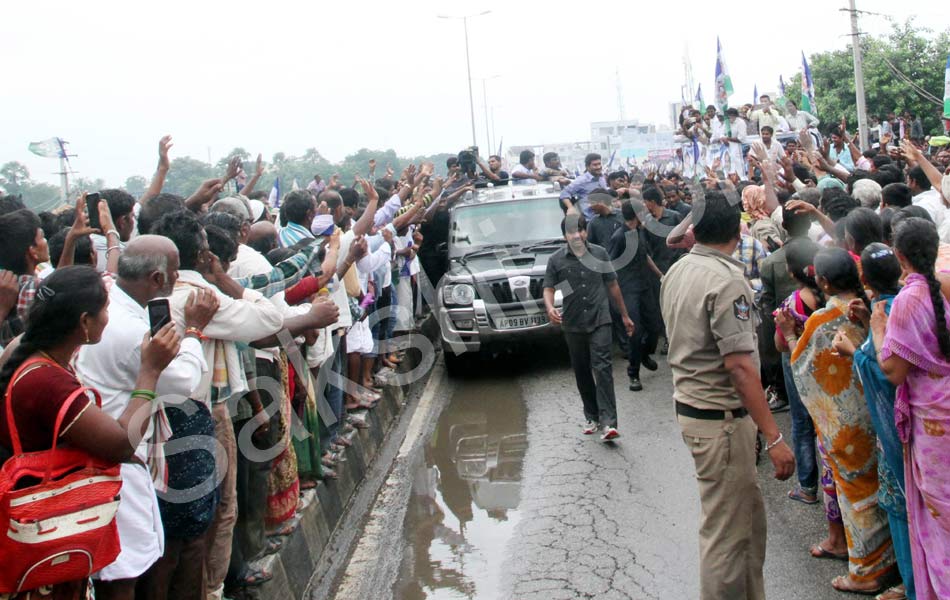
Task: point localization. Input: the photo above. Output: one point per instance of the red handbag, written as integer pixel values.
(57, 506)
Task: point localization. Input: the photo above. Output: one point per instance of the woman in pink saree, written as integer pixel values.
(914, 353)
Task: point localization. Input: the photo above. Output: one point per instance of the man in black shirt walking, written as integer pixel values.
(584, 274)
(638, 276)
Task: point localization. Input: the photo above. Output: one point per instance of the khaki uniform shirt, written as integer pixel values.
(707, 305)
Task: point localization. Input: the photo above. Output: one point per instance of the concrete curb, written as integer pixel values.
(323, 508)
(367, 577)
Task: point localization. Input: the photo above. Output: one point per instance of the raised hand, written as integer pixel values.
(160, 349)
(234, 167)
(368, 189)
(80, 225)
(164, 145)
(259, 166)
(9, 291)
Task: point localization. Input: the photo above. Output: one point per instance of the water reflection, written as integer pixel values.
(465, 495)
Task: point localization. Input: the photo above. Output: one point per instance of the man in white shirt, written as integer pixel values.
(243, 316)
(717, 129)
(925, 196)
(737, 137)
(121, 205)
(148, 269)
(767, 115)
(798, 119)
(525, 173)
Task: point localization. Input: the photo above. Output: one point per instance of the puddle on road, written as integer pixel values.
(465, 495)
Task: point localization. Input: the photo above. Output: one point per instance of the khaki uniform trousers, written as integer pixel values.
(732, 528)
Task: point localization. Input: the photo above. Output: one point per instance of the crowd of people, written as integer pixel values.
(282, 319)
(824, 282)
(282, 325)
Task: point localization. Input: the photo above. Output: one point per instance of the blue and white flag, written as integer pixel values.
(808, 89)
(274, 198)
(755, 94)
(723, 81)
(51, 148)
(611, 161)
(781, 86)
(700, 105)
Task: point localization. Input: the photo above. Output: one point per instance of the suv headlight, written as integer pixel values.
(459, 294)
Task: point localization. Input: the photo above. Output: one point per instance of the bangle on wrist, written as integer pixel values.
(111, 248)
(195, 332)
(112, 232)
(143, 393)
(776, 442)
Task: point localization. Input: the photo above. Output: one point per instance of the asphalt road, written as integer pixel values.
(509, 500)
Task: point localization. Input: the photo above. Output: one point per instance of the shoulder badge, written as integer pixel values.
(741, 308)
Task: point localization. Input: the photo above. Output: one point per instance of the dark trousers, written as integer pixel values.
(618, 332)
(590, 358)
(803, 434)
(644, 311)
(179, 573)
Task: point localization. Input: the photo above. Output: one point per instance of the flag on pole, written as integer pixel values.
(946, 91)
(611, 161)
(781, 86)
(808, 89)
(294, 187)
(51, 148)
(755, 94)
(274, 198)
(500, 142)
(700, 105)
(723, 81)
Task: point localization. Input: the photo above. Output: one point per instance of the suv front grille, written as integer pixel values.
(500, 292)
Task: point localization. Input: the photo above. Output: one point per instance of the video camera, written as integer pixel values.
(468, 161)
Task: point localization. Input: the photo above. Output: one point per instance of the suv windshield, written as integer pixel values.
(514, 222)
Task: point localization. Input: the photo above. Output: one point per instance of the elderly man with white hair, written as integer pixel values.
(867, 192)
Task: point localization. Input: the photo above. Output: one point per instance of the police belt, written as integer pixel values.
(708, 414)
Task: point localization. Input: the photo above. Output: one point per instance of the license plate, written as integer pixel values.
(522, 322)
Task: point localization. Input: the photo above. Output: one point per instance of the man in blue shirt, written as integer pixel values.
(575, 195)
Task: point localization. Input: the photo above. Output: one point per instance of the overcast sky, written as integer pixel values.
(111, 77)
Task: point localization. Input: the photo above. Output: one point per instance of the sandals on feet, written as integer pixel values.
(818, 551)
(843, 583)
(256, 577)
(799, 495)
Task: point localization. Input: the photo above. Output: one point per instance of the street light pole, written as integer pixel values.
(859, 79)
(468, 67)
(487, 128)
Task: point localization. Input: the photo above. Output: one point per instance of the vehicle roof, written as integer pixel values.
(508, 193)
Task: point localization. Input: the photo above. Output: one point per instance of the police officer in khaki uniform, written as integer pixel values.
(707, 305)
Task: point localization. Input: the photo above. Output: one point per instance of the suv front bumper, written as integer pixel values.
(471, 328)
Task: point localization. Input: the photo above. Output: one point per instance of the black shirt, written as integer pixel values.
(633, 270)
(583, 282)
(664, 256)
(601, 228)
(681, 207)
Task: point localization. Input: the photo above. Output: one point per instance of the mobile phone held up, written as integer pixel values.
(92, 209)
(159, 314)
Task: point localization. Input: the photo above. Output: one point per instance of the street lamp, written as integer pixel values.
(468, 64)
(485, 100)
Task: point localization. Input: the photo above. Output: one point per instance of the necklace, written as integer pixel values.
(65, 367)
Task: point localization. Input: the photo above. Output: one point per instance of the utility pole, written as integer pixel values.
(468, 66)
(858, 78)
